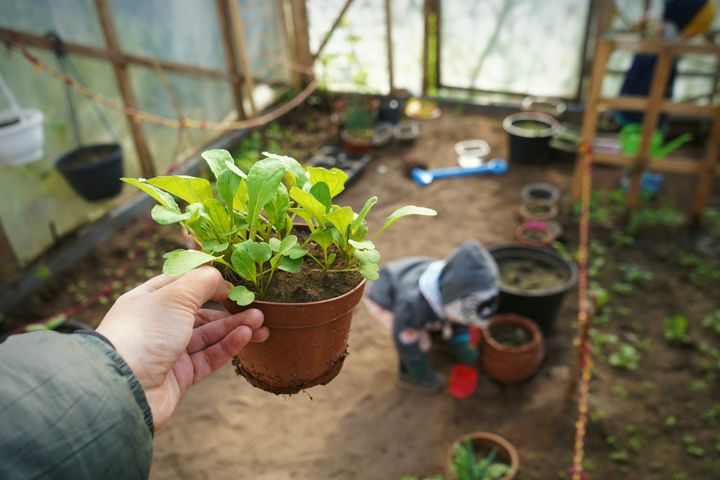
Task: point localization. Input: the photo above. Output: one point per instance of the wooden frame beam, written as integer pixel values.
(230, 57)
(301, 36)
(330, 32)
(125, 86)
(239, 33)
(389, 40)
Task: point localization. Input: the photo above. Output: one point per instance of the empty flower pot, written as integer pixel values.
(540, 193)
(529, 135)
(406, 131)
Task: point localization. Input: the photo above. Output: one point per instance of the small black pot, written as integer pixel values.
(542, 306)
(94, 171)
(529, 136)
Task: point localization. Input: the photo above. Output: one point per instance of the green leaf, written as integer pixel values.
(226, 185)
(296, 252)
(367, 256)
(323, 238)
(166, 216)
(262, 183)
(240, 198)
(215, 246)
(364, 245)
(370, 271)
(322, 193)
(178, 262)
(243, 264)
(341, 219)
(277, 209)
(291, 265)
(235, 169)
(297, 175)
(404, 212)
(190, 189)
(218, 214)
(363, 213)
(334, 178)
(241, 295)
(216, 160)
(286, 244)
(260, 252)
(308, 203)
(164, 198)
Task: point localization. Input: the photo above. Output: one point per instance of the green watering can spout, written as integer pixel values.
(631, 136)
(658, 151)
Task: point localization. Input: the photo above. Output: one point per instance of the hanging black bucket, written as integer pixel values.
(533, 282)
(529, 136)
(94, 171)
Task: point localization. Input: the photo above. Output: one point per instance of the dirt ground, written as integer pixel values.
(363, 426)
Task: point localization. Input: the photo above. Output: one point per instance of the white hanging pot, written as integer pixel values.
(21, 137)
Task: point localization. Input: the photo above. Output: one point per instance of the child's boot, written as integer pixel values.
(419, 376)
(463, 351)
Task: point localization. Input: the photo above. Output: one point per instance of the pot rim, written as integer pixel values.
(501, 441)
(368, 142)
(526, 214)
(517, 320)
(557, 103)
(552, 129)
(534, 252)
(111, 150)
(548, 187)
(534, 225)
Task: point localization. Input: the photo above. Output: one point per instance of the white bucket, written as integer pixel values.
(21, 142)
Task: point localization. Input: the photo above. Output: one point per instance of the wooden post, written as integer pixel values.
(230, 57)
(301, 36)
(602, 54)
(426, 45)
(296, 77)
(388, 30)
(706, 176)
(650, 122)
(124, 85)
(237, 27)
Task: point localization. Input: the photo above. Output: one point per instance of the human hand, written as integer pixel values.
(170, 342)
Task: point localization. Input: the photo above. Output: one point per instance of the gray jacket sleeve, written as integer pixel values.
(70, 408)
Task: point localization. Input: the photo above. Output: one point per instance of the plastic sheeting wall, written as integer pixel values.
(37, 204)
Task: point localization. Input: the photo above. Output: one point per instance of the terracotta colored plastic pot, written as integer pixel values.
(307, 344)
(485, 441)
(354, 144)
(535, 233)
(507, 364)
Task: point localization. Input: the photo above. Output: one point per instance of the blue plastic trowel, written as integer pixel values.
(496, 166)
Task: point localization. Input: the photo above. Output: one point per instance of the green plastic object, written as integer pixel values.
(631, 136)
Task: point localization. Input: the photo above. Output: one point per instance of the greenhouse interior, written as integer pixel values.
(446, 216)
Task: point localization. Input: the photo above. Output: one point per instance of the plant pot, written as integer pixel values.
(547, 105)
(93, 171)
(472, 153)
(540, 193)
(508, 364)
(307, 343)
(529, 135)
(486, 441)
(535, 233)
(422, 109)
(356, 144)
(21, 139)
(539, 292)
(406, 131)
(537, 212)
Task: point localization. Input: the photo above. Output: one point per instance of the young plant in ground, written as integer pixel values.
(712, 322)
(627, 357)
(676, 330)
(245, 225)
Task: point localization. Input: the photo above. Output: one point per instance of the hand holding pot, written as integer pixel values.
(170, 342)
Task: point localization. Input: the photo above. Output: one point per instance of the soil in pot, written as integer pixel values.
(510, 336)
(531, 274)
(537, 211)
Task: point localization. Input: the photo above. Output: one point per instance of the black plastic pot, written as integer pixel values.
(529, 135)
(93, 171)
(540, 305)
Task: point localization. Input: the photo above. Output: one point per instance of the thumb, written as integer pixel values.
(196, 287)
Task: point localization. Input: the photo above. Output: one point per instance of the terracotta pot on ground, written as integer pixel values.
(307, 343)
(485, 441)
(536, 233)
(508, 364)
(537, 211)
